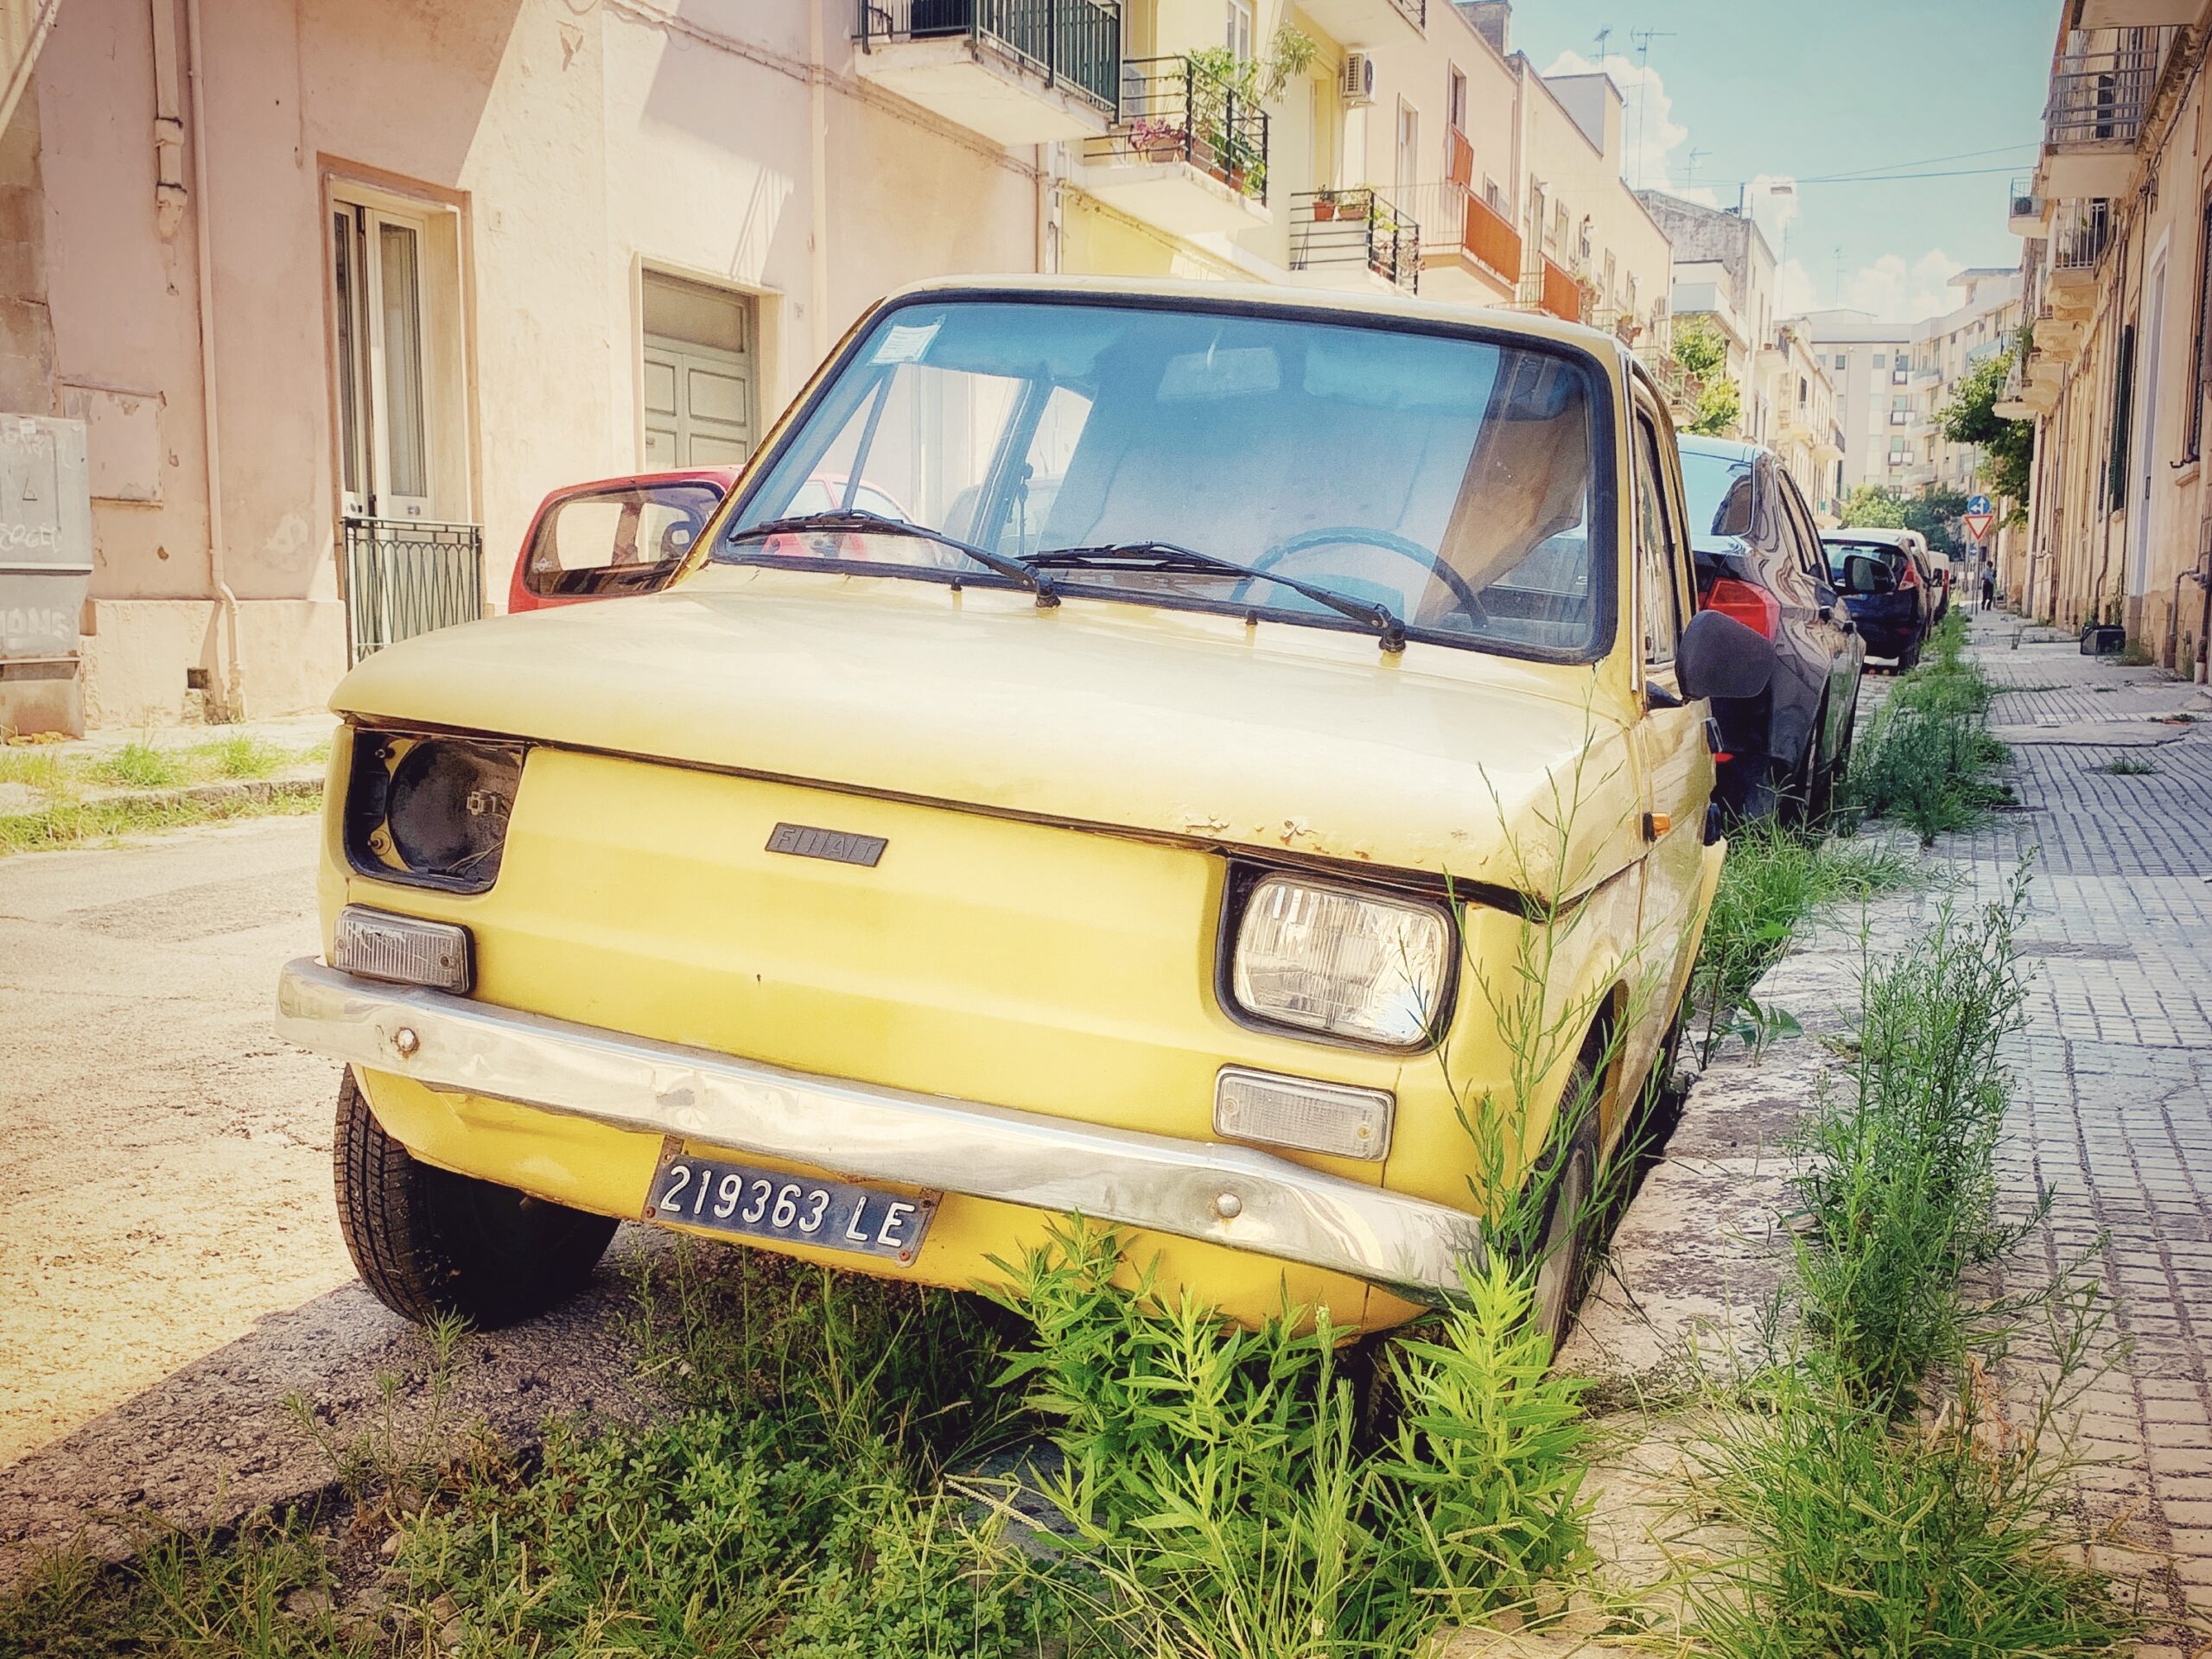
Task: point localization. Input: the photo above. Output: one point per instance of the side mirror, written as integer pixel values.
(1863, 575)
(1719, 656)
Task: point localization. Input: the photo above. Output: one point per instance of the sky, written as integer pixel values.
(1744, 92)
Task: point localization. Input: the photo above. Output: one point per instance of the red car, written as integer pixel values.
(617, 536)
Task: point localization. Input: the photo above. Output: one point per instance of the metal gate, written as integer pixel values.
(405, 576)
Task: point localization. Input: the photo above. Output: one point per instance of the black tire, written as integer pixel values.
(427, 1241)
(1569, 1180)
(1909, 659)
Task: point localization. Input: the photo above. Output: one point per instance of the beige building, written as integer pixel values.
(337, 294)
(1725, 274)
(1799, 397)
(2117, 221)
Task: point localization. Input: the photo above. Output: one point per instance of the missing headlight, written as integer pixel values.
(430, 811)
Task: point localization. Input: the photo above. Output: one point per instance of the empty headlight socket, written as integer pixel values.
(1243, 875)
(491, 772)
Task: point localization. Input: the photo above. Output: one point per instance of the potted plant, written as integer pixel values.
(1156, 140)
(1324, 207)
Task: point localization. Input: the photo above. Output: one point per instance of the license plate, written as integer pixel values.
(799, 1209)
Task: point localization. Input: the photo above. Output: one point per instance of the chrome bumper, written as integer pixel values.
(1235, 1196)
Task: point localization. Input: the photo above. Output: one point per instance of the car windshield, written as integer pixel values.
(1888, 552)
(1446, 478)
(1720, 491)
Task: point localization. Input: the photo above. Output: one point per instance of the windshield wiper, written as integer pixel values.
(1168, 556)
(860, 522)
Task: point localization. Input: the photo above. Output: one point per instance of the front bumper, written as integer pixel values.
(1232, 1196)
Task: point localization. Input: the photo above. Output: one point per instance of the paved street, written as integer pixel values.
(170, 1265)
(2116, 1071)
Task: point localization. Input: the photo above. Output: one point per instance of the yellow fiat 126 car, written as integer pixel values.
(1090, 765)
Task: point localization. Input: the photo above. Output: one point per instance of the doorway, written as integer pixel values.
(701, 362)
(2149, 362)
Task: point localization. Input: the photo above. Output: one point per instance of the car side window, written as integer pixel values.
(1658, 552)
(1810, 558)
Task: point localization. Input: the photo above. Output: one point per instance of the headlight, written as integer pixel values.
(430, 811)
(1355, 965)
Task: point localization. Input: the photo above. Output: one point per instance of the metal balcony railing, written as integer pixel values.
(1180, 109)
(1550, 287)
(2099, 97)
(1076, 44)
(405, 576)
(1355, 226)
(2078, 240)
(1454, 219)
(2021, 201)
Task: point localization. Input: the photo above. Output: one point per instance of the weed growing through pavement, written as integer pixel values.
(2126, 766)
(1888, 1496)
(1926, 760)
(398, 1462)
(144, 787)
(1775, 880)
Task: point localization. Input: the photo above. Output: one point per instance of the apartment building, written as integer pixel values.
(1885, 427)
(1798, 394)
(1724, 273)
(336, 294)
(1984, 326)
(2116, 271)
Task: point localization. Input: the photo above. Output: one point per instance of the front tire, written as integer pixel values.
(427, 1241)
(1569, 1207)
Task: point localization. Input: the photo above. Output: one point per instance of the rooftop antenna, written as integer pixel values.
(1604, 36)
(1689, 167)
(1641, 38)
(1839, 274)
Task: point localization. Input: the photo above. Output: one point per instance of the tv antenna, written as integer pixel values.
(1604, 36)
(1641, 38)
(1689, 167)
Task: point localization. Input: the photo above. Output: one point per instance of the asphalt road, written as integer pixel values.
(171, 1264)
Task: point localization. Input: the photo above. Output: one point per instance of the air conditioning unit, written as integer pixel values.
(1357, 87)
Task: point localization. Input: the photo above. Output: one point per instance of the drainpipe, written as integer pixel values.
(233, 674)
(2173, 614)
(817, 117)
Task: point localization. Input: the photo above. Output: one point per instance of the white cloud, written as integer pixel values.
(1649, 133)
(1896, 291)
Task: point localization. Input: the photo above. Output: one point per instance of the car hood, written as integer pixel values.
(1100, 713)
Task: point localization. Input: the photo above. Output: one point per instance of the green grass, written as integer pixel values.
(82, 799)
(1774, 881)
(2126, 766)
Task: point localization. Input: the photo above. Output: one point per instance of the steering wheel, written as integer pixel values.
(1389, 542)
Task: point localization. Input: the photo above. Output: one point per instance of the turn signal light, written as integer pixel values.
(1750, 605)
(405, 950)
(1311, 1116)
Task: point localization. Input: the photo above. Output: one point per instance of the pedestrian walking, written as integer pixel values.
(1988, 585)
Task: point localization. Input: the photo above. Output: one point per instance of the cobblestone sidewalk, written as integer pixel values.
(2115, 1072)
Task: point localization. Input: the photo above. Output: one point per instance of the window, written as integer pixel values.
(1024, 428)
(2202, 360)
(396, 310)
(699, 352)
(2123, 417)
(1880, 360)
(1658, 562)
(1842, 360)
(1240, 30)
(1493, 197)
(1456, 101)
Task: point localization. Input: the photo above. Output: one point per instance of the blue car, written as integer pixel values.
(1890, 587)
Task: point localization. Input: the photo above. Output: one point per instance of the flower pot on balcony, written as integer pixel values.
(1324, 213)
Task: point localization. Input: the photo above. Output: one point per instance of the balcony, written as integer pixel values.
(1469, 252)
(1017, 72)
(2077, 248)
(1549, 287)
(2028, 213)
(2134, 14)
(1368, 22)
(1355, 234)
(1187, 154)
(405, 576)
(2094, 115)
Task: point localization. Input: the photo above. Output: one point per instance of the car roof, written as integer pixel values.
(1725, 448)
(1905, 539)
(1269, 298)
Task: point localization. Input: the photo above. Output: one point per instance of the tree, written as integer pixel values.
(1702, 351)
(2007, 446)
(1933, 513)
(1872, 507)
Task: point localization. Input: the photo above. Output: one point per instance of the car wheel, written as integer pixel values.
(427, 1241)
(1908, 658)
(1568, 1185)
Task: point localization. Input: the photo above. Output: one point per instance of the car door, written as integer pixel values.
(1673, 755)
(1832, 637)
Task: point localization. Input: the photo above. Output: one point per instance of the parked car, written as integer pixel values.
(1759, 560)
(1899, 612)
(614, 537)
(883, 911)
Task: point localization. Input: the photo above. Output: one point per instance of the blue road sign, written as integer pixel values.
(1977, 504)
